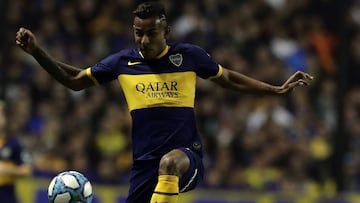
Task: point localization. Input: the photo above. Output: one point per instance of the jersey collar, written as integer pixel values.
(163, 53)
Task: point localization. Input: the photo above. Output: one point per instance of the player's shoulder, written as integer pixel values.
(195, 52)
(124, 54)
(185, 47)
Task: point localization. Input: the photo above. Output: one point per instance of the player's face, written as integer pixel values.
(150, 36)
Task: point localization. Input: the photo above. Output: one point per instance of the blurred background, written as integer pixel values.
(304, 147)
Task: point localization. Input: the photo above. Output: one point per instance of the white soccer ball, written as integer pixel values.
(70, 187)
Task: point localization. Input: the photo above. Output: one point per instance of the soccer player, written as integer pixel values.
(12, 164)
(158, 79)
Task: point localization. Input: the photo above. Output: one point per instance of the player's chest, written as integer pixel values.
(171, 63)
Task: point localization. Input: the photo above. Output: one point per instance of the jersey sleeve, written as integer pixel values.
(205, 66)
(104, 71)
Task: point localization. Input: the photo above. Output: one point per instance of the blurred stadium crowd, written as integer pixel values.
(262, 143)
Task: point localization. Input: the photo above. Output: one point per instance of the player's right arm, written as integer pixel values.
(70, 76)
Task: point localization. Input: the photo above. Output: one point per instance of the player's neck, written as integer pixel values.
(163, 52)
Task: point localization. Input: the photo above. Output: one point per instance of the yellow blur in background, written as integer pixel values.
(34, 190)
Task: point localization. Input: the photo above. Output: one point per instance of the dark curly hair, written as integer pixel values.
(151, 9)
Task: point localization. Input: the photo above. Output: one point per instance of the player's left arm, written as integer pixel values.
(239, 82)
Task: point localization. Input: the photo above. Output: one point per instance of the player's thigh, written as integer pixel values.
(143, 179)
(194, 174)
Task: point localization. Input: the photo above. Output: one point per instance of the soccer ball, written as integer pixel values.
(70, 187)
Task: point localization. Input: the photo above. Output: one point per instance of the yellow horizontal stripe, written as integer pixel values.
(7, 179)
(89, 74)
(159, 90)
(218, 74)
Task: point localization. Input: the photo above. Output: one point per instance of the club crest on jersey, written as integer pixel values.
(176, 59)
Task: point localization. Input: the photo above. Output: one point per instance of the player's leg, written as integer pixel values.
(172, 165)
(143, 179)
(194, 174)
(182, 164)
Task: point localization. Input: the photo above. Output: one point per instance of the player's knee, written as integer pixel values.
(168, 165)
(171, 164)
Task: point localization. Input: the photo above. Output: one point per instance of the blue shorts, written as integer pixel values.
(144, 176)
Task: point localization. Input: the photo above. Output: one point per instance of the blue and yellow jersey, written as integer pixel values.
(160, 95)
(10, 156)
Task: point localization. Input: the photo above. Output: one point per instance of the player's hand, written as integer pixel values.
(297, 79)
(26, 40)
